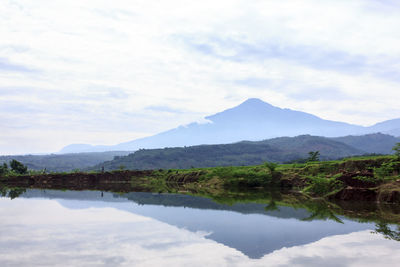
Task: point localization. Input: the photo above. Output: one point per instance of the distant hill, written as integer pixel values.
(64, 162)
(281, 149)
(252, 120)
(371, 143)
(236, 154)
(391, 127)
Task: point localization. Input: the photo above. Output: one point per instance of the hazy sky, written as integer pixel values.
(103, 72)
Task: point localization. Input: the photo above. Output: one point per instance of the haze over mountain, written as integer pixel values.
(253, 120)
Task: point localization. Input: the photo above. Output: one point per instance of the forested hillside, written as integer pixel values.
(64, 162)
(372, 143)
(238, 154)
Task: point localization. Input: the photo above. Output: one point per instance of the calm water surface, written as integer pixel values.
(89, 228)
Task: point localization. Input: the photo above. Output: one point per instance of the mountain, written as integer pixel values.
(253, 120)
(391, 127)
(371, 143)
(237, 154)
(280, 149)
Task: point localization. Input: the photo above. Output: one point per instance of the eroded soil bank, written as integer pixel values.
(374, 179)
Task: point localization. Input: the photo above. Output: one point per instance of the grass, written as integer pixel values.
(313, 178)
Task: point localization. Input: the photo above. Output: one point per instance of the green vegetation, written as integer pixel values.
(396, 150)
(313, 156)
(387, 231)
(11, 192)
(63, 162)
(371, 143)
(324, 179)
(18, 167)
(386, 170)
(278, 150)
(242, 177)
(321, 185)
(3, 169)
(263, 184)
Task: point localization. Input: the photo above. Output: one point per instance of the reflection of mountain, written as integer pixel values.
(170, 200)
(248, 228)
(186, 201)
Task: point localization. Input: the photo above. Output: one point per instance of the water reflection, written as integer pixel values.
(48, 227)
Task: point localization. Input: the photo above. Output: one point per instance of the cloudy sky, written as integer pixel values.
(104, 72)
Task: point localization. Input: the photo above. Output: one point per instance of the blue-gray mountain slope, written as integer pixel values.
(252, 120)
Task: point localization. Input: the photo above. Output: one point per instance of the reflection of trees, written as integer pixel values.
(321, 211)
(271, 206)
(3, 191)
(16, 192)
(274, 196)
(387, 232)
(11, 192)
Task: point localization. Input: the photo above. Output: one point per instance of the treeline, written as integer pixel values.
(280, 150)
(15, 167)
(63, 162)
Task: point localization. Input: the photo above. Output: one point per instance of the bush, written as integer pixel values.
(242, 177)
(321, 185)
(18, 167)
(271, 166)
(313, 156)
(396, 150)
(386, 169)
(3, 169)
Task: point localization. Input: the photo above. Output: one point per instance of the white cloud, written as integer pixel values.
(97, 65)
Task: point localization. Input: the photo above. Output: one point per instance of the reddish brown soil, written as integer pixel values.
(119, 181)
(350, 179)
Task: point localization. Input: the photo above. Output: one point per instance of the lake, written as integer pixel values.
(93, 228)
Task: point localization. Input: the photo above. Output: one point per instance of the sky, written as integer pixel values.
(105, 72)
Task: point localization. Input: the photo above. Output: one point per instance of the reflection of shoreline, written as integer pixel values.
(113, 236)
(247, 227)
(169, 200)
(263, 202)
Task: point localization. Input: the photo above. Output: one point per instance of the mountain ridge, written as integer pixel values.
(244, 153)
(252, 120)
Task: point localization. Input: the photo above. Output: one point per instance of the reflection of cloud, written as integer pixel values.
(355, 249)
(42, 232)
(7, 66)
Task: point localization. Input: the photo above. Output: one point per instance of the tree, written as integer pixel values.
(121, 167)
(271, 166)
(18, 167)
(387, 231)
(313, 156)
(3, 169)
(396, 149)
(16, 192)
